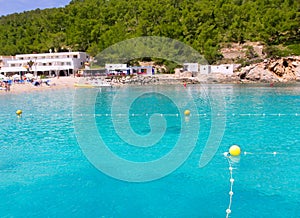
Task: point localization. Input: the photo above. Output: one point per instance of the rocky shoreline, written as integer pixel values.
(279, 70)
(160, 79)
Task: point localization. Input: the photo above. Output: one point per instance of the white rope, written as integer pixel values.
(274, 153)
(231, 180)
(161, 114)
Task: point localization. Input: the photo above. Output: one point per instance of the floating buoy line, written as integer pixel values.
(233, 156)
(185, 113)
(231, 180)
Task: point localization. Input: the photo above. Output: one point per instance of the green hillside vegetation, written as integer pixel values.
(93, 25)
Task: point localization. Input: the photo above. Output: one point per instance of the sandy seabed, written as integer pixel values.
(55, 83)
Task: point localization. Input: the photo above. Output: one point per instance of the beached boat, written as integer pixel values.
(83, 85)
(91, 85)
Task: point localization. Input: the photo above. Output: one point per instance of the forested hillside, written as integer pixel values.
(93, 25)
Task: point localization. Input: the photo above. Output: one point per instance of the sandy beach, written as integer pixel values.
(68, 83)
(55, 83)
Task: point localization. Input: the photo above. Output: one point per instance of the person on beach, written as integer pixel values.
(7, 87)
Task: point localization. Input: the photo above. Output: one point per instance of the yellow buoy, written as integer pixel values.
(234, 150)
(187, 112)
(19, 112)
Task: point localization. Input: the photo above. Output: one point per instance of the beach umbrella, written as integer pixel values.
(16, 76)
(29, 75)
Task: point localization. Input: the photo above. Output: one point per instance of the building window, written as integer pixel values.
(75, 56)
(227, 67)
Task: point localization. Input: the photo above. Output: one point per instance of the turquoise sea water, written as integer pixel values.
(45, 173)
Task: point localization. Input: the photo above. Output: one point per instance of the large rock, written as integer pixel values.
(179, 74)
(272, 70)
(187, 74)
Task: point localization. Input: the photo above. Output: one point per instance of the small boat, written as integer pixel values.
(83, 85)
(92, 85)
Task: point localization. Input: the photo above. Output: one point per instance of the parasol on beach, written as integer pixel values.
(16, 76)
(29, 75)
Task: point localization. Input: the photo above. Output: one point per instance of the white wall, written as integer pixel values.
(204, 69)
(191, 67)
(223, 69)
(148, 70)
(115, 66)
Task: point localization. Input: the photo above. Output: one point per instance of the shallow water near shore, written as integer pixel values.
(45, 173)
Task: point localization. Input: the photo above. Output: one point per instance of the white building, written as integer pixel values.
(222, 69)
(142, 70)
(117, 69)
(3, 60)
(226, 69)
(123, 69)
(191, 67)
(63, 63)
(205, 69)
